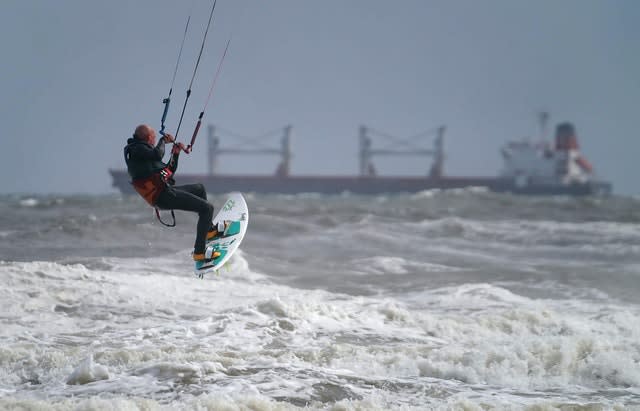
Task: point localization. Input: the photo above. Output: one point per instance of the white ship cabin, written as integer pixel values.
(530, 162)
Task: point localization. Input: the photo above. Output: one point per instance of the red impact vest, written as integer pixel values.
(151, 187)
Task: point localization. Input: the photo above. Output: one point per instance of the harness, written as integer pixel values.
(152, 186)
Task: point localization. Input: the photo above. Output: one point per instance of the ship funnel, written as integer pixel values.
(566, 139)
(570, 163)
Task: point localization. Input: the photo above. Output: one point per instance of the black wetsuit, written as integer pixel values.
(145, 161)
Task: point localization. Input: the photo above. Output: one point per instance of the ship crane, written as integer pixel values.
(284, 151)
(401, 147)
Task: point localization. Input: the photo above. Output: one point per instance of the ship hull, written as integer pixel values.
(363, 185)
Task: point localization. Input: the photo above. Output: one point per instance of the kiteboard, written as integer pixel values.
(235, 214)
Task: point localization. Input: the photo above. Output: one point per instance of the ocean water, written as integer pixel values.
(456, 300)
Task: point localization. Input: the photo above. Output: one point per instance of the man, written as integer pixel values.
(153, 180)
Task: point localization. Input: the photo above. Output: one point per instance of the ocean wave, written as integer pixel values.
(380, 265)
(250, 400)
(292, 343)
(551, 233)
(438, 301)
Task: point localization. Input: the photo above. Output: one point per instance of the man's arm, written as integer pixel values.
(175, 154)
(146, 152)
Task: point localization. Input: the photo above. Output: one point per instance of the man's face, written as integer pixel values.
(152, 137)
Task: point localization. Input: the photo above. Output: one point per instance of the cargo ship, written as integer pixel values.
(530, 168)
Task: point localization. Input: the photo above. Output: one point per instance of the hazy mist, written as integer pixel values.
(77, 76)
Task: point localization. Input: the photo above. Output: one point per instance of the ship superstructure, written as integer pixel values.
(540, 163)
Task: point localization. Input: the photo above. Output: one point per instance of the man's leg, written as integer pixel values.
(195, 189)
(177, 199)
(199, 190)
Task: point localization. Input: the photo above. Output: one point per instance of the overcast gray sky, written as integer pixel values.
(78, 75)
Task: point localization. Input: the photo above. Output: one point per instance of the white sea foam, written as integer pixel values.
(29, 202)
(426, 193)
(473, 334)
(507, 340)
(381, 265)
(6, 233)
(357, 310)
(87, 372)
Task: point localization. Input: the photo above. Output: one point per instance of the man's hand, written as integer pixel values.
(168, 138)
(177, 147)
